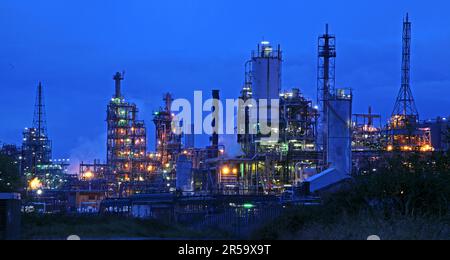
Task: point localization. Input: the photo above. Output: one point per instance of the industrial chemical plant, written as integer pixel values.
(320, 144)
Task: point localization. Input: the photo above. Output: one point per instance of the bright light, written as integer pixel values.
(265, 43)
(406, 148)
(226, 170)
(235, 171)
(39, 192)
(390, 148)
(88, 175)
(35, 184)
(426, 148)
(249, 206)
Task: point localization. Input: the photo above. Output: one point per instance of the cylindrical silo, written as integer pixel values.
(266, 72)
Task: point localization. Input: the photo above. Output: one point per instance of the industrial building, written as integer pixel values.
(127, 142)
(38, 167)
(168, 143)
(315, 144)
(404, 131)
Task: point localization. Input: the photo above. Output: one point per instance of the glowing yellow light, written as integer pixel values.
(35, 184)
(150, 168)
(426, 148)
(226, 170)
(88, 175)
(235, 171)
(390, 148)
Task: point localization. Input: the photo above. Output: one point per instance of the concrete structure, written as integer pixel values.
(339, 144)
(185, 177)
(339, 132)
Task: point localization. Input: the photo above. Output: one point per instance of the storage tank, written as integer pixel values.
(185, 177)
(266, 72)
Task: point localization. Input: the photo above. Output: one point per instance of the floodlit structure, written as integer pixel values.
(268, 166)
(37, 162)
(263, 85)
(404, 133)
(168, 142)
(126, 141)
(265, 72)
(335, 135)
(367, 132)
(326, 80)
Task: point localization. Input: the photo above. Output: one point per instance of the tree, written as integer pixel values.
(10, 180)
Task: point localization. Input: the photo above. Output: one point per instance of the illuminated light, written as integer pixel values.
(185, 152)
(248, 206)
(426, 148)
(88, 175)
(35, 184)
(265, 42)
(150, 168)
(226, 170)
(235, 171)
(39, 192)
(390, 148)
(167, 165)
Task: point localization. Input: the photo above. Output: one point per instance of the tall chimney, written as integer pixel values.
(216, 121)
(118, 79)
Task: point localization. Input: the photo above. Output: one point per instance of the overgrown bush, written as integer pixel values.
(407, 190)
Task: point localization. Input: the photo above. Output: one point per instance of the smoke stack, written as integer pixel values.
(216, 121)
(168, 101)
(118, 79)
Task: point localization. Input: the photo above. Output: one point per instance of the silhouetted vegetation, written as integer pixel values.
(105, 227)
(408, 199)
(10, 180)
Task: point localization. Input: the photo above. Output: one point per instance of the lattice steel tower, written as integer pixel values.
(36, 147)
(39, 122)
(405, 106)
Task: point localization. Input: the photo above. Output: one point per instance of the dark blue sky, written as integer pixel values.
(75, 46)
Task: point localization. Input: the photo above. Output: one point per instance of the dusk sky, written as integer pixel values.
(75, 46)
